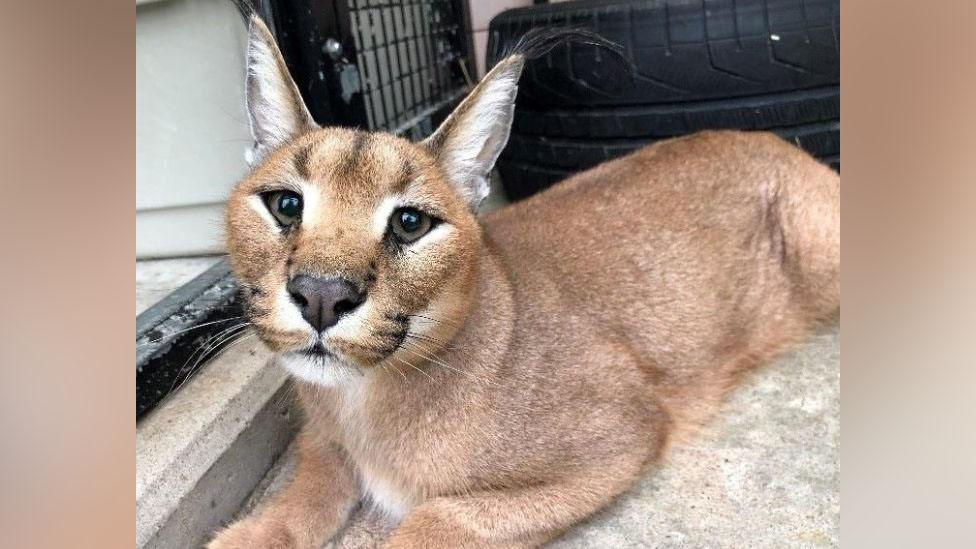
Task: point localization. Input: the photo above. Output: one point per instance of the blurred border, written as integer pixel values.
(909, 224)
(908, 80)
(67, 275)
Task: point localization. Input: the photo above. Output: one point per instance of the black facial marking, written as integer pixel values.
(248, 294)
(301, 161)
(399, 317)
(370, 279)
(395, 338)
(369, 282)
(253, 310)
(389, 244)
(359, 144)
(392, 339)
(407, 173)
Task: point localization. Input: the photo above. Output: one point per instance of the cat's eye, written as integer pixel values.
(409, 224)
(285, 206)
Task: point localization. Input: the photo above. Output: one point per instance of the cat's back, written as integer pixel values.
(663, 195)
(674, 233)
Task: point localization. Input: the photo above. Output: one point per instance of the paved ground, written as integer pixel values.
(765, 474)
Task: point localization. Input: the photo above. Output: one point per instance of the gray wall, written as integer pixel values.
(191, 128)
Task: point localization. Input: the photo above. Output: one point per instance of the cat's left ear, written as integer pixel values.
(469, 141)
(275, 107)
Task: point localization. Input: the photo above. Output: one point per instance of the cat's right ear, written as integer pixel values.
(275, 107)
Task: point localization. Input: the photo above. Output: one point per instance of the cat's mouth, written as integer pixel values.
(318, 350)
(382, 345)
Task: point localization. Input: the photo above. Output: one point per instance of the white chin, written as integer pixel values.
(318, 370)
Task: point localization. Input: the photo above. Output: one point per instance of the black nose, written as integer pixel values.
(324, 300)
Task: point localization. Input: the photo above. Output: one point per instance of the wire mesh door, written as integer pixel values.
(377, 64)
(412, 59)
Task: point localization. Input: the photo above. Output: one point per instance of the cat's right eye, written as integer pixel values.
(285, 206)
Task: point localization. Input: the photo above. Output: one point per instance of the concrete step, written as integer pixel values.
(764, 474)
(156, 278)
(200, 453)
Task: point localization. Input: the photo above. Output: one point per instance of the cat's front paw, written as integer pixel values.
(254, 534)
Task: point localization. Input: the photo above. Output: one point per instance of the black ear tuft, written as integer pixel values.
(539, 41)
(245, 8)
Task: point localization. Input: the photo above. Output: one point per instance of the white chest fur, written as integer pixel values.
(383, 494)
(379, 487)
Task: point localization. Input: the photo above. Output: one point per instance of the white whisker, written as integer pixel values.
(414, 367)
(174, 334)
(420, 351)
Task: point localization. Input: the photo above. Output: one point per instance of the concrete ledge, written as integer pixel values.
(201, 453)
(765, 473)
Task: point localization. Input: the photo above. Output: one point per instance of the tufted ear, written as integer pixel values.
(469, 141)
(274, 105)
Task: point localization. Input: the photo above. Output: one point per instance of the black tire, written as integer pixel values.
(522, 180)
(700, 64)
(745, 113)
(681, 50)
(820, 139)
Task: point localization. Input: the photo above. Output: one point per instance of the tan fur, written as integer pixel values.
(564, 340)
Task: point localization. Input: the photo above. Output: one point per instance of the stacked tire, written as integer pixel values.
(693, 65)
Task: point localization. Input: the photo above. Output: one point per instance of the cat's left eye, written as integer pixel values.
(285, 206)
(409, 224)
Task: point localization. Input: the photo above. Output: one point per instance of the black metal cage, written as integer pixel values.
(373, 64)
(376, 64)
(409, 76)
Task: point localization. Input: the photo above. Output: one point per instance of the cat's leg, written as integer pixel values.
(307, 512)
(517, 517)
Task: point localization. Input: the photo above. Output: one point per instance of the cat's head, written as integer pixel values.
(354, 249)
